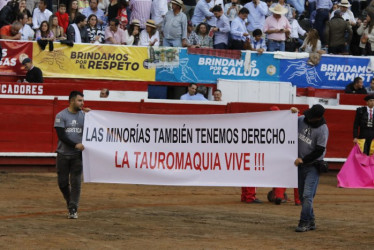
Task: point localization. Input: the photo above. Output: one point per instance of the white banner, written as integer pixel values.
(248, 149)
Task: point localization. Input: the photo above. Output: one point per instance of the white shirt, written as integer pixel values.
(26, 32)
(256, 17)
(296, 29)
(38, 17)
(159, 8)
(348, 15)
(144, 38)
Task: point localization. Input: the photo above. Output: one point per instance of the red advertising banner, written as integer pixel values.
(13, 54)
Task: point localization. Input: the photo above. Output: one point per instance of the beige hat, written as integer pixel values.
(279, 9)
(344, 3)
(151, 23)
(136, 22)
(178, 2)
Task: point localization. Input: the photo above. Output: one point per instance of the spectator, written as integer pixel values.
(11, 31)
(366, 32)
(104, 93)
(286, 6)
(95, 34)
(222, 29)
(114, 34)
(132, 33)
(370, 89)
(9, 13)
(77, 32)
(356, 87)
(113, 9)
(40, 14)
(313, 134)
(191, 93)
(122, 14)
(73, 11)
(312, 44)
(141, 10)
(346, 14)
(191, 34)
(57, 30)
(27, 34)
(189, 8)
(322, 15)
(34, 74)
(335, 34)
(202, 12)
(232, 9)
(149, 36)
(92, 9)
(175, 26)
(277, 28)
(257, 13)
(203, 40)
(63, 17)
(217, 94)
(158, 12)
(44, 34)
(23, 9)
(258, 43)
(239, 33)
(294, 42)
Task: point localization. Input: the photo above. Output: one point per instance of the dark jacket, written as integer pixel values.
(349, 89)
(34, 75)
(70, 33)
(8, 14)
(360, 128)
(335, 32)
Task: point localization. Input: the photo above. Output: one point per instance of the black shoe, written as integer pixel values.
(305, 226)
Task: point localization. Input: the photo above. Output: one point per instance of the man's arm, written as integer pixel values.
(62, 137)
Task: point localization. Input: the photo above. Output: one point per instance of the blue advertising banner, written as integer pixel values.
(333, 72)
(207, 69)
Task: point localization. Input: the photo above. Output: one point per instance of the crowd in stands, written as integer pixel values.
(324, 26)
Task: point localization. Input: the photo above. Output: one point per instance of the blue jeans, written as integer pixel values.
(276, 46)
(172, 42)
(319, 24)
(308, 181)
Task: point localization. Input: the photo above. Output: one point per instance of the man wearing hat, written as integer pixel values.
(346, 13)
(312, 140)
(276, 27)
(363, 123)
(175, 26)
(34, 74)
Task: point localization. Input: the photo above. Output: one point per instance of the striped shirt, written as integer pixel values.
(141, 10)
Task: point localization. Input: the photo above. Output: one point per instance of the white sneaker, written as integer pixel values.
(73, 214)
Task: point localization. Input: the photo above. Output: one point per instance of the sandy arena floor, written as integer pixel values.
(114, 216)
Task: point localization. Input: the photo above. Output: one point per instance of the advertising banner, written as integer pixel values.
(191, 150)
(94, 62)
(207, 69)
(13, 53)
(332, 72)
